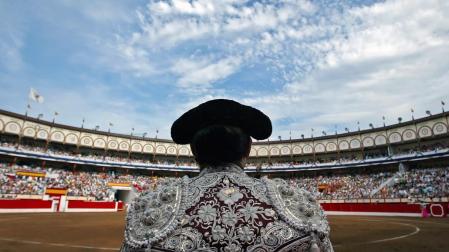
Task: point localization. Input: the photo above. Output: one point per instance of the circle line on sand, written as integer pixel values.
(56, 244)
(398, 237)
(416, 230)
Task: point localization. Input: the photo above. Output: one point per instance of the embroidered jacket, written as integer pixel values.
(225, 210)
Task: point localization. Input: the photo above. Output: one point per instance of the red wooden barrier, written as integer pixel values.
(91, 206)
(25, 205)
(384, 209)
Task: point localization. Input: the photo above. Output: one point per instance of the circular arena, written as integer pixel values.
(104, 232)
(66, 188)
(224, 125)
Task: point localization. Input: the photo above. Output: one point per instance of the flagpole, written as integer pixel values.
(54, 116)
(28, 104)
(110, 125)
(26, 110)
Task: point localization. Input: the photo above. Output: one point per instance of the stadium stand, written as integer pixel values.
(416, 183)
(403, 163)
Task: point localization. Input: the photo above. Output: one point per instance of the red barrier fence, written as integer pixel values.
(91, 206)
(438, 209)
(59, 204)
(26, 206)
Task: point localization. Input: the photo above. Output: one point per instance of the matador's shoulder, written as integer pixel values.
(154, 214)
(297, 207)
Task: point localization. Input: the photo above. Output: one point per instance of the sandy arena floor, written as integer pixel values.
(104, 232)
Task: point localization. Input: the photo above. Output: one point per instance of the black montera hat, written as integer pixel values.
(221, 112)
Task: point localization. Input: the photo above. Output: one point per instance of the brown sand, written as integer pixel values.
(104, 232)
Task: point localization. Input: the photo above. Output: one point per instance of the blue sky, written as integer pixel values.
(307, 64)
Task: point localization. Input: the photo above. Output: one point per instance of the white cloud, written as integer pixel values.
(392, 29)
(325, 64)
(199, 74)
(334, 67)
(223, 30)
(392, 59)
(130, 58)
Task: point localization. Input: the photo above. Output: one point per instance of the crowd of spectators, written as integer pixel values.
(415, 183)
(350, 186)
(93, 156)
(318, 161)
(12, 184)
(428, 183)
(77, 183)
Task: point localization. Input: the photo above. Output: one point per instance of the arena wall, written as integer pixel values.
(375, 209)
(57, 205)
(436, 209)
(92, 206)
(26, 206)
(404, 132)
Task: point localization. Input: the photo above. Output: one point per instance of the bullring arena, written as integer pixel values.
(104, 232)
(66, 188)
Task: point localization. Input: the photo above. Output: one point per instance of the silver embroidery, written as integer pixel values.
(155, 214)
(234, 215)
(297, 207)
(228, 213)
(185, 240)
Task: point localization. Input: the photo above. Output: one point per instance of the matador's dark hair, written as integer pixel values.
(220, 144)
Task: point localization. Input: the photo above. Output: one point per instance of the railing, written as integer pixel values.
(361, 200)
(387, 182)
(388, 200)
(264, 169)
